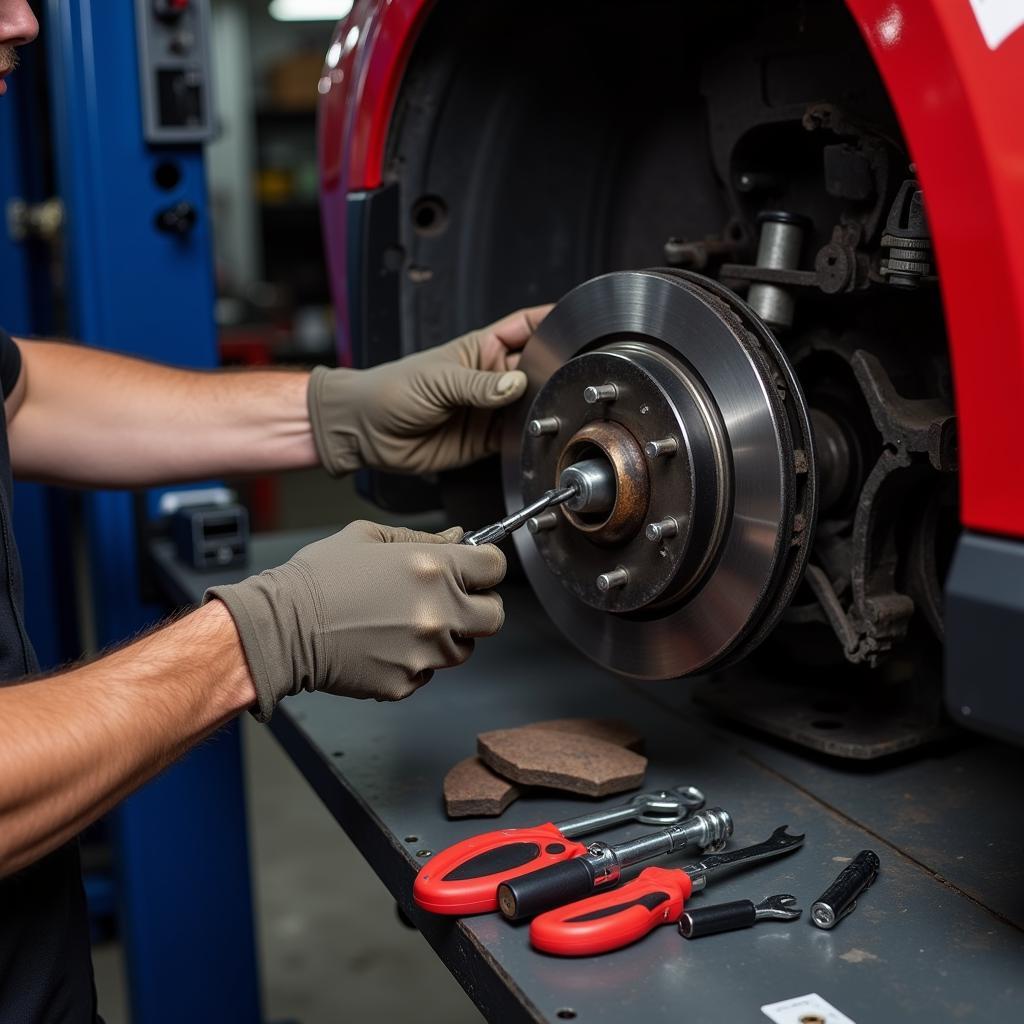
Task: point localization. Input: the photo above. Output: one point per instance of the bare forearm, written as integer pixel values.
(94, 418)
(73, 744)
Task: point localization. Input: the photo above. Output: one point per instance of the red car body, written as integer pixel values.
(951, 92)
(953, 70)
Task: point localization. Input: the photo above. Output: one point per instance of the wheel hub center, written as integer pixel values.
(605, 462)
(622, 422)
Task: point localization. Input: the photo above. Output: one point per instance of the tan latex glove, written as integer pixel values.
(369, 612)
(430, 411)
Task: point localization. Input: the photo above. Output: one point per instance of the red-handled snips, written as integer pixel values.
(464, 878)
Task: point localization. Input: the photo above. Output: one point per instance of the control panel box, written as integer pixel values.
(174, 70)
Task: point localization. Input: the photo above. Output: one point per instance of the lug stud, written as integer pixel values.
(617, 577)
(545, 521)
(547, 425)
(663, 446)
(600, 393)
(662, 530)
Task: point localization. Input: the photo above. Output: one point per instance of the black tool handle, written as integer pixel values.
(545, 888)
(723, 917)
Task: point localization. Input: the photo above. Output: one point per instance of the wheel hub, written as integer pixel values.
(604, 450)
(674, 409)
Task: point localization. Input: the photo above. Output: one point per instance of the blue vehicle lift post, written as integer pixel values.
(184, 885)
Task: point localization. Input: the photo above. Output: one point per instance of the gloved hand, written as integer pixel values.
(370, 612)
(429, 411)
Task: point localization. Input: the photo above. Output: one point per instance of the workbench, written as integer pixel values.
(938, 937)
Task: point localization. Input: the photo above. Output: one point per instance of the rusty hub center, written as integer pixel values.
(612, 443)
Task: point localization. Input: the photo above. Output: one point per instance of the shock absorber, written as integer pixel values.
(782, 238)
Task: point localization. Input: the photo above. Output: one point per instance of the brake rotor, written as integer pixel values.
(677, 389)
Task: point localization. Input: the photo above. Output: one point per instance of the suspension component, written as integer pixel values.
(782, 238)
(907, 239)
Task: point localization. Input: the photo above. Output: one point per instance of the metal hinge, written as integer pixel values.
(35, 220)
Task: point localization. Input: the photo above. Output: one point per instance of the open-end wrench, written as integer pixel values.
(729, 917)
(464, 878)
(656, 896)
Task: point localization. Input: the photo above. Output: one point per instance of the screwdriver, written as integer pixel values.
(611, 920)
(497, 532)
(464, 878)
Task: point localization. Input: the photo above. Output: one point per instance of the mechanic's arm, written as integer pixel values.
(79, 415)
(83, 416)
(369, 612)
(72, 745)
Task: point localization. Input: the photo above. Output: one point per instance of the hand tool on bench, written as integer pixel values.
(840, 898)
(601, 866)
(494, 533)
(611, 920)
(730, 917)
(464, 878)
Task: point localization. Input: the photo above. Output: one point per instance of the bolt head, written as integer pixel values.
(661, 530)
(600, 393)
(615, 578)
(539, 523)
(663, 446)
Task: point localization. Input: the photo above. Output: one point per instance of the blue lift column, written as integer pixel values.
(140, 280)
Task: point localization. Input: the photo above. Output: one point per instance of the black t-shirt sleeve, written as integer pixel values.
(10, 363)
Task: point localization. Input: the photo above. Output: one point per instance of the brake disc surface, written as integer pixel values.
(707, 435)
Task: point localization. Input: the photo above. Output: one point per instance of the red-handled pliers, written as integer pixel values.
(611, 920)
(464, 878)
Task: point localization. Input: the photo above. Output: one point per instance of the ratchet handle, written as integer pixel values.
(464, 878)
(539, 890)
(723, 917)
(611, 920)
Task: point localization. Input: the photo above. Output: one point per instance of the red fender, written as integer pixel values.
(955, 97)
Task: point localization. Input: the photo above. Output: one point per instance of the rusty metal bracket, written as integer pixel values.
(865, 582)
